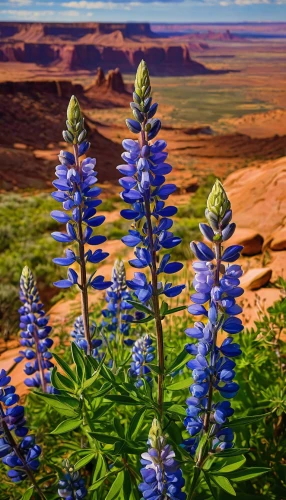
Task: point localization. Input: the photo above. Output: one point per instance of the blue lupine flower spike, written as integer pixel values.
(145, 190)
(78, 335)
(72, 486)
(18, 450)
(116, 315)
(216, 288)
(161, 474)
(35, 332)
(78, 194)
(142, 354)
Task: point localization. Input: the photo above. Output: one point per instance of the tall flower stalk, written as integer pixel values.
(77, 192)
(34, 334)
(144, 188)
(217, 287)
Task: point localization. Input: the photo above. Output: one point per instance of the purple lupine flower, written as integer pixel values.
(34, 334)
(161, 474)
(142, 354)
(116, 314)
(216, 289)
(145, 189)
(18, 455)
(78, 193)
(78, 335)
(72, 486)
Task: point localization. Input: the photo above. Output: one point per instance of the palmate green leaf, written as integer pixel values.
(246, 473)
(104, 390)
(61, 382)
(63, 404)
(183, 384)
(135, 425)
(101, 410)
(96, 484)
(232, 464)
(28, 493)
(124, 400)
(232, 452)
(140, 307)
(65, 367)
(178, 362)
(251, 419)
(116, 487)
(79, 362)
(67, 426)
(84, 461)
(224, 484)
(105, 438)
(179, 410)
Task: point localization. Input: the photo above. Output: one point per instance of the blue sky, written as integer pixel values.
(143, 10)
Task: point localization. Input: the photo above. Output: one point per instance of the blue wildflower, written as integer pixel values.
(22, 455)
(78, 193)
(78, 335)
(72, 486)
(116, 314)
(146, 191)
(142, 354)
(161, 474)
(34, 334)
(216, 289)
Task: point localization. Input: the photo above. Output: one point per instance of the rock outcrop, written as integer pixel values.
(251, 241)
(113, 81)
(278, 240)
(258, 198)
(256, 278)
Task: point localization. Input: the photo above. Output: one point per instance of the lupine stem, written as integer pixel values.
(155, 300)
(26, 467)
(83, 284)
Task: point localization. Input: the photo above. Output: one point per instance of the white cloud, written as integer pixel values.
(20, 2)
(83, 4)
(27, 14)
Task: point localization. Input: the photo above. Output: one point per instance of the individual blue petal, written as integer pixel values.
(197, 310)
(72, 276)
(129, 214)
(93, 192)
(131, 196)
(234, 310)
(134, 126)
(228, 231)
(62, 261)
(206, 231)
(173, 267)
(202, 251)
(165, 191)
(174, 290)
(130, 240)
(83, 148)
(167, 211)
(229, 390)
(62, 237)
(171, 242)
(96, 221)
(232, 253)
(96, 240)
(61, 184)
(200, 298)
(162, 169)
(59, 216)
(63, 283)
(127, 182)
(59, 196)
(232, 325)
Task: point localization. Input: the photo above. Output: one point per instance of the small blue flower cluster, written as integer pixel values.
(34, 334)
(17, 456)
(163, 479)
(116, 315)
(218, 286)
(77, 192)
(142, 354)
(72, 487)
(78, 335)
(144, 188)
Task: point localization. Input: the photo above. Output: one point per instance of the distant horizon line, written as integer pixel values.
(183, 23)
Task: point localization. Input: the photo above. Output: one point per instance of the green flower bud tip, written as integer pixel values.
(218, 202)
(74, 112)
(26, 276)
(142, 80)
(155, 434)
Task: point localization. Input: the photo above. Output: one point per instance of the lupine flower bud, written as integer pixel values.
(72, 486)
(142, 81)
(218, 202)
(142, 354)
(75, 123)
